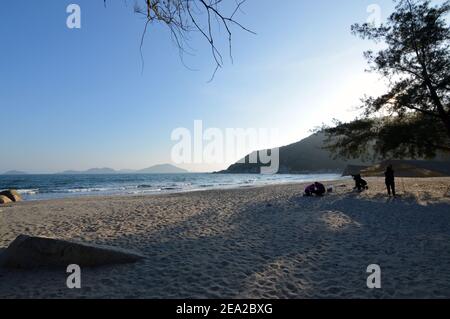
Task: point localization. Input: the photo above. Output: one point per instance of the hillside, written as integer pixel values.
(305, 156)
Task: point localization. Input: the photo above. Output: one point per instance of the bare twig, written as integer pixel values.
(183, 17)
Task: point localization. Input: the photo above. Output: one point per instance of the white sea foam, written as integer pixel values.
(28, 191)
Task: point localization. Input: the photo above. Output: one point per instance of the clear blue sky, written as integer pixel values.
(75, 99)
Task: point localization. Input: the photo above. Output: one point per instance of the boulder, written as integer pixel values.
(12, 194)
(27, 252)
(4, 200)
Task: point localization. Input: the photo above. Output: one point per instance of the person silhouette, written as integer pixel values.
(317, 189)
(360, 184)
(390, 180)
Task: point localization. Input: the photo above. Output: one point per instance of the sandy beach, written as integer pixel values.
(263, 242)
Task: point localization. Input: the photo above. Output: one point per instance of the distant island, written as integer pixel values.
(15, 173)
(91, 171)
(162, 169)
(156, 169)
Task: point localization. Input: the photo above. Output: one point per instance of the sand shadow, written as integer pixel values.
(287, 250)
(318, 261)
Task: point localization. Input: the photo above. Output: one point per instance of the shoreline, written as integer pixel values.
(348, 180)
(169, 191)
(259, 242)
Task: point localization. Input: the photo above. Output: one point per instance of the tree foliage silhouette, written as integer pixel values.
(413, 118)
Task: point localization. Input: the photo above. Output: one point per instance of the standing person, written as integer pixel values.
(390, 180)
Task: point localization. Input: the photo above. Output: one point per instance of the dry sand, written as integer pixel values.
(266, 242)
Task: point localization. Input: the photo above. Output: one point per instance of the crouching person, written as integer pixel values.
(360, 184)
(316, 189)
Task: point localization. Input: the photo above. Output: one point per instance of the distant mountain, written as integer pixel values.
(100, 171)
(126, 171)
(92, 171)
(157, 169)
(162, 169)
(306, 156)
(15, 173)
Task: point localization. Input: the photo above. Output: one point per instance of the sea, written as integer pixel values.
(53, 186)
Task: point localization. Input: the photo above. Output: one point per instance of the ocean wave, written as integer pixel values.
(32, 191)
(145, 186)
(249, 181)
(146, 191)
(48, 187)
(170, 188)
(85, 190)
